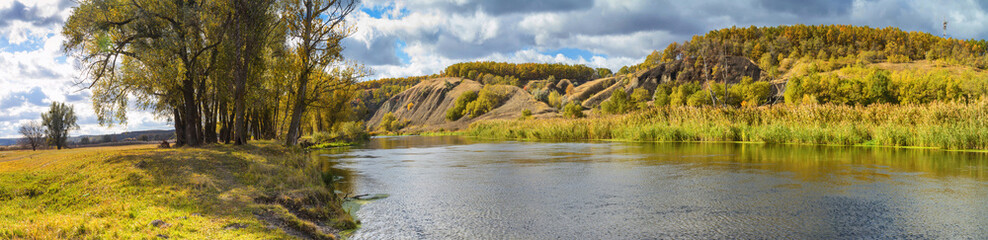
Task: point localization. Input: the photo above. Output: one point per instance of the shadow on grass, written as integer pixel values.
(276, 186)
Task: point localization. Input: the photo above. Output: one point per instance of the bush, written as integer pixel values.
(794, 91)
(661, 97)
(349, 131)
(869, 57)
(618, 103)
(389, 123)
(489, 98)
(750, 93)
(699, 98)
(640, 98)
(573, 110)
(898, 58)
(555, 100)
(681, 93)
(456, 112)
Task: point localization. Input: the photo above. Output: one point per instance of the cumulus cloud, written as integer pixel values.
(34, 96)
(34, 71)
(419, 37)
(438, 33)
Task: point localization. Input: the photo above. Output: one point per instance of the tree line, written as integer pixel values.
(522, 71)
(773, 44)
(222, 71)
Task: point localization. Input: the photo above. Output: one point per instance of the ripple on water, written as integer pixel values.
(449, 188)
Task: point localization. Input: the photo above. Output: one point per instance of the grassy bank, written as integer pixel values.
(262, 191)
(937, 125)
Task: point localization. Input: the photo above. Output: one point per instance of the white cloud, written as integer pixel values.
(44, 66)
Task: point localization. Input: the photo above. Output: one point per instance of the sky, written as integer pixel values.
(420, 37)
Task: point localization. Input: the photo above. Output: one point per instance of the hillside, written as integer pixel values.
(152, 135)
(424, 106)
(755, 66)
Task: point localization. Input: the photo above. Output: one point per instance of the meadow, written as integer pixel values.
(259, 191)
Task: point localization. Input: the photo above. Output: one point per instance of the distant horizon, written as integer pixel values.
(414, 38)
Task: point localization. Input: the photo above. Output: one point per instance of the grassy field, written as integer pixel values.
(962, 126)
(263, 191)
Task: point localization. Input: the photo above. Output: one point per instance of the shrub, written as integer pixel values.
(555, 100)
(898, 58)
(349, 131)
(389, 123)
(681, 93)
(794, 91)
(489, 98)
(640, 98)
(661, 97)
(573, 110)
(456, 112)
(699, 98)
(751, 93)
(618, 103)
(869, 57)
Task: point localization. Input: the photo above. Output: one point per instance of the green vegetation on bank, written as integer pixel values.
(943, 125)
(474, 104)
(261, 191)
(522, 72)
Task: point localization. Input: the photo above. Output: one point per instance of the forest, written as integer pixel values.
(222, 71)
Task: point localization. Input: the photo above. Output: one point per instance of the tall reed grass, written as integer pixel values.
(947, 125)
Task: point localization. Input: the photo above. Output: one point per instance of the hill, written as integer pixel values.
(152, 135)
(754, 66)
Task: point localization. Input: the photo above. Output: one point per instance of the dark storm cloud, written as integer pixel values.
(500, 7)
(20, 12)
(453, 47)
(33, 96)
(381, 51)
(809, 8)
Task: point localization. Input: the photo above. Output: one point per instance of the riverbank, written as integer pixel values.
(261, 191)
(952, 126)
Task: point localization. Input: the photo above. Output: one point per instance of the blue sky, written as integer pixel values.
(419, 37)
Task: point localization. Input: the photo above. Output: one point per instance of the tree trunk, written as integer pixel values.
(297, 110)
(179, 128)
(191, 116)
(224, 120)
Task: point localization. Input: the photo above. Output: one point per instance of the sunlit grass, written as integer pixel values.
(939, 125)
(117, 192)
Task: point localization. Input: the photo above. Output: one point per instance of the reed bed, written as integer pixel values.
(946, 125)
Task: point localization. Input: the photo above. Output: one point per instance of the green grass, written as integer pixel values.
(333, 145)
(936, 125)
(116, 192)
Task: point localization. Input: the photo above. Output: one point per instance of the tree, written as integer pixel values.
(59, 119)
(34, 135)
(250, 27)
(158, 52)
(318, 26)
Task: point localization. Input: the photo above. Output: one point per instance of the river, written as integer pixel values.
(458, 188)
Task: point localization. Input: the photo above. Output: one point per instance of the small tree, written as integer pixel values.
(59, 119)
(573, 110)
(34, 135)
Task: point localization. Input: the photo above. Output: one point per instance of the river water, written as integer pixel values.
(458, 188)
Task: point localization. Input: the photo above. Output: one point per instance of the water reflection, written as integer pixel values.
(452, 187)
